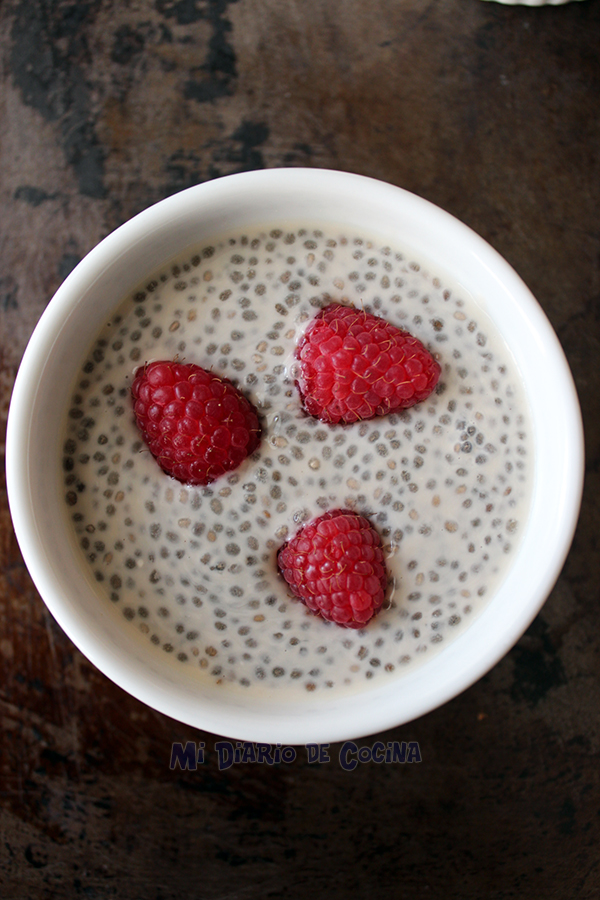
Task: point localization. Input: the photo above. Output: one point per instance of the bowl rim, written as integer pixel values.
(248, 724)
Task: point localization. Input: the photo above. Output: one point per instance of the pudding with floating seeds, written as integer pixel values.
(447, 483)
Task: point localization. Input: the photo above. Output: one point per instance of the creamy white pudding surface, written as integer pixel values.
(447, 483)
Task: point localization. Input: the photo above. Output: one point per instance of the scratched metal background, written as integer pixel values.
(491, 112)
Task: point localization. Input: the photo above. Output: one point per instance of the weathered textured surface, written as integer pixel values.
(491, 112)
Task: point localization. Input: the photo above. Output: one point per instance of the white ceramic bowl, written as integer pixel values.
(69, 326)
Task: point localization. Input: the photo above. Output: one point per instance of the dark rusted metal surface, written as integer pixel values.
(491, 112)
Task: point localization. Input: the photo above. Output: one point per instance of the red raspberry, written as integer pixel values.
(335, 565)
(354, 366)
(196, 424)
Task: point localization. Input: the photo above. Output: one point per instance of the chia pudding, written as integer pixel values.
(447, 483)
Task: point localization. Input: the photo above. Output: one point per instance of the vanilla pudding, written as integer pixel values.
(447, 483)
